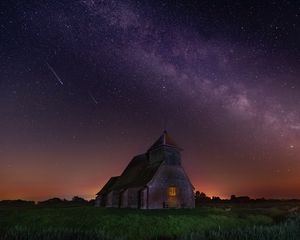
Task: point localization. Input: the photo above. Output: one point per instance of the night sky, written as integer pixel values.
(86, 85)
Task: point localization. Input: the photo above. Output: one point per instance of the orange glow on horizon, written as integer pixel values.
(39, 178)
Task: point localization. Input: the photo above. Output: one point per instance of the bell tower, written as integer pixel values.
(165, 149)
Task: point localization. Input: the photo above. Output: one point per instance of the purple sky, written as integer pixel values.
(87, 85)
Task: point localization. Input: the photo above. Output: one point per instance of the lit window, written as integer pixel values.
(172, 191)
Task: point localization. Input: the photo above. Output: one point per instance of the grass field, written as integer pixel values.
(214, 222)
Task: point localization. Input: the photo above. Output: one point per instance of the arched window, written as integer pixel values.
(172, 191)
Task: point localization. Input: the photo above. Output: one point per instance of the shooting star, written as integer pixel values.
(93, 98)
(53, 71)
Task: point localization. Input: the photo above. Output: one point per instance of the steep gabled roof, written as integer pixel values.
(108, 186)
(164, 140)
(140, 170)
(137, 174)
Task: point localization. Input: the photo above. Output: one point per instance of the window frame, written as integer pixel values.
(172, 191)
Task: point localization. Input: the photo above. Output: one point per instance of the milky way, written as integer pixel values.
(221, 76)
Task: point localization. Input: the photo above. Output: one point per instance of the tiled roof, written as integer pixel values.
(108, 186)
(140, 170)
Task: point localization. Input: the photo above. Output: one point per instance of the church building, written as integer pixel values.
(153, 180)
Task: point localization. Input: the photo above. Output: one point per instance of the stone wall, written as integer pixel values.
(133, 198)
(112, 199)
(170, 176)
(124, 199)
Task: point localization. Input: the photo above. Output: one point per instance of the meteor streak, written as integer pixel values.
(93, 98)
(55, 74)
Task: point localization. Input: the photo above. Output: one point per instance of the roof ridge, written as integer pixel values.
(164, 140)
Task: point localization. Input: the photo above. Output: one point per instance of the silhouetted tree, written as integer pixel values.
(17, 203)
(244, 199)
(240, 199)
(92, 202)
(54, 202)
(260, 200)
(233, 198)
(216, 199)
(79, 200)
(200, 198)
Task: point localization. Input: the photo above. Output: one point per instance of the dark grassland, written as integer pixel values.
(223, 221)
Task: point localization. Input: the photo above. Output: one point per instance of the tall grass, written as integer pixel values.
(89, 223)
(287, 230)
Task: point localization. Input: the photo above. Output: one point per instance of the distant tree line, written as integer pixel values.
(16, 203)
(201, 198)
(53, 202)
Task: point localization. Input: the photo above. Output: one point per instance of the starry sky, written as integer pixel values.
(85, 85)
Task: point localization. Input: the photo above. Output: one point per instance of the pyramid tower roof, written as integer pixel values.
(164, 140)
